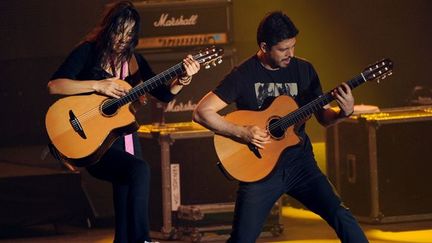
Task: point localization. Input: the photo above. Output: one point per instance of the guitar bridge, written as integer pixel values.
(255, 150)
(76, 125)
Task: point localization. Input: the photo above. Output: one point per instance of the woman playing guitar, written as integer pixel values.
(97, 65)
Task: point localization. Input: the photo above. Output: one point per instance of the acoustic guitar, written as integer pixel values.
(247, 163)
(83, 127)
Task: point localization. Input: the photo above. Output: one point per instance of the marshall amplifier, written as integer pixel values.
(172, 24)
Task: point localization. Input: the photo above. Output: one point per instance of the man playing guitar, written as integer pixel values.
(272, 72)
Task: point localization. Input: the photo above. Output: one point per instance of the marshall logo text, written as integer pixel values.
(165, 21)
(173, 106)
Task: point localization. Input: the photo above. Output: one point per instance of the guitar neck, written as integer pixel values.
(305, 111)
(152, 84)
(205, 57)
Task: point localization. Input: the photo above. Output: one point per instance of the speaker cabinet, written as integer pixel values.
(381, 165)
(181, 107)
(179, 23)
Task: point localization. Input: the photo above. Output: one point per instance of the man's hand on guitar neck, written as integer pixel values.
(345, 99)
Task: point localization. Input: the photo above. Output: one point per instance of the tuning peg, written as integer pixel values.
(207, 66)
(219, 61)
(389, 73)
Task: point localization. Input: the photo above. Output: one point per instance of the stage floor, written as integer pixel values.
(300, 226)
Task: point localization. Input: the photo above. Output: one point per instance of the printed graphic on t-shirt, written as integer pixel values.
(264, 90)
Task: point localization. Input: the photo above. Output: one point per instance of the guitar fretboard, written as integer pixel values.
(152, 84)
(305, 111)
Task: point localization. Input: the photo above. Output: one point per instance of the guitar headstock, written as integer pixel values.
(378, 71)
(209, 56)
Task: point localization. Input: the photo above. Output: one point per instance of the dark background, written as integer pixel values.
(339, 37)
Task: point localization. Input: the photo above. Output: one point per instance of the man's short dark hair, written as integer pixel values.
(274, 28)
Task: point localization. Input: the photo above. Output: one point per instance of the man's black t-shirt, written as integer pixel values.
(249, 84)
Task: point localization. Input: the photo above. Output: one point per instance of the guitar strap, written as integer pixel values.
(133, 71)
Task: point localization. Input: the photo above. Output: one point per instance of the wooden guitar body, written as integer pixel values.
(99, 130)
(238, 159)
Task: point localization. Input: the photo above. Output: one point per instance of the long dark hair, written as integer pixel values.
(113, 22)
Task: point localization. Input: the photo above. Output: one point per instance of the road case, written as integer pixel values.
(190, 197)
(381, 164)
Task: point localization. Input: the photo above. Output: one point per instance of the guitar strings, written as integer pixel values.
(315, 105)
(327, 98)
(138, 90)
(285, 121)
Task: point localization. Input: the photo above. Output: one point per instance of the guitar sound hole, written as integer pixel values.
(109, 107)
(275, 130)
